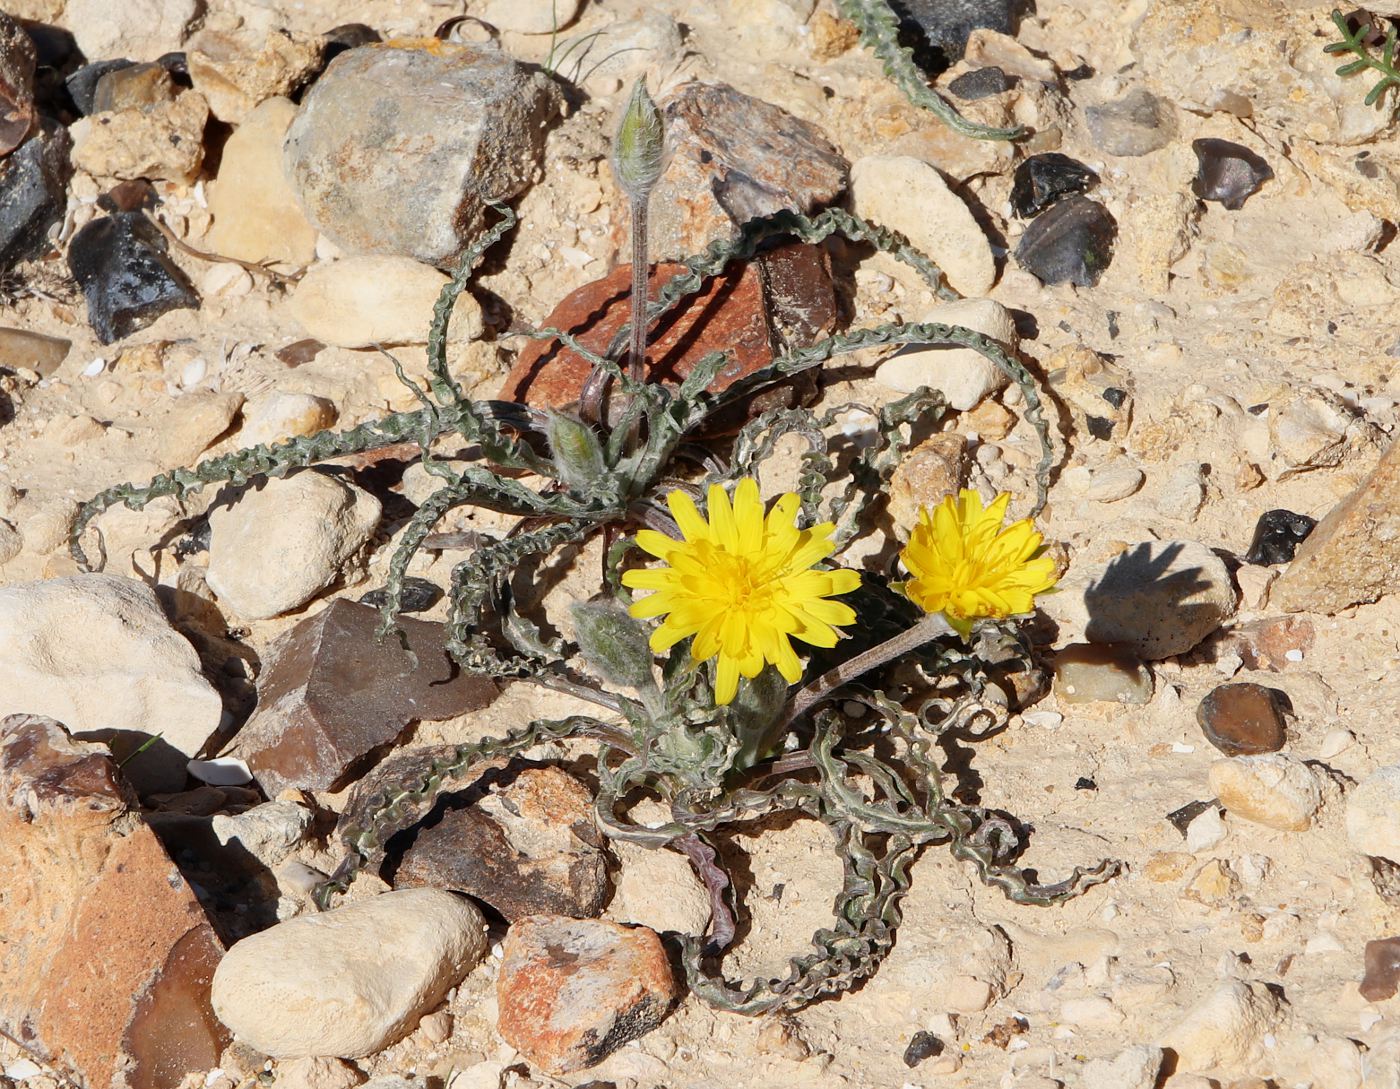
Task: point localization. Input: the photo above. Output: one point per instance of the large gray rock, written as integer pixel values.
(96, 653)
(395, 148)
(348, 982)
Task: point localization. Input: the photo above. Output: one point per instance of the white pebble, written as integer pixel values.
(1206, 832)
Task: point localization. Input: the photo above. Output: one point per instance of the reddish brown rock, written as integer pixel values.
(17, 60)
(572, 991)
(1244, 719)
(333, 694)
(1274, 643)
(528, 846)
(1382, 969)
(107, 957)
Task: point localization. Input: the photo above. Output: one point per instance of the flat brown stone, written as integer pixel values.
(332, 695)
(1244, 719)
(107, 956)
(1382, 969)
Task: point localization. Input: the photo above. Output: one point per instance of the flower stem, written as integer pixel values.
(636, 367)
(926, 630)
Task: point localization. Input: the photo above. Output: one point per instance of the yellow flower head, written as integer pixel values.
(743, 584)
(965, 565)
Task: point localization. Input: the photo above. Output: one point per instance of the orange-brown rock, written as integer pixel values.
(107, 956)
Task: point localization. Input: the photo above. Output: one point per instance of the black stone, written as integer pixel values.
(1227, 173)
(1072, 243)
(1115, 397)
(1085, 783)
(347, 36)
(1181, 819)
(1042, 180)
(1277, 535)
(938, 29)
(33, 194)
(126, 275)
(178, 65)
(418, 596)
(980, 83)
(924, 1045)
(1101, 427)
(82, 84)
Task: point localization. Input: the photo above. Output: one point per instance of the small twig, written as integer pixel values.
(277, 278)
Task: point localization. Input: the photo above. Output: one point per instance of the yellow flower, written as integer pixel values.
(965, 565)
(743, 584)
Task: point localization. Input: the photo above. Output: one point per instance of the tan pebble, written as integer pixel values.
(142, 359)
(830, 36)
(780, 1037)
(11, 543)
(992, 421)
(1167, 866)
(1252, 927)
(929, 473)
(1214, 882)
(1273, 789)
(277, 415)
(436, 1027)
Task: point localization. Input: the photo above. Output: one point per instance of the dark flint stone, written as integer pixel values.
(1071, 243)
(1043, 179)
(1227, 173)
(924, 1045)
(980, 83)
(418, 595)
(333, 695)
(1244, 719)
(82, 84)
(1382, 969)
(300, 351)
(33, 194)
(800, 295)
(938, 29)
(1181, 819)
(1277, 535)
(1100, 427)
(127, 275)
(347, 36)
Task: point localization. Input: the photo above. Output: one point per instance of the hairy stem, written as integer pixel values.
(636, 365)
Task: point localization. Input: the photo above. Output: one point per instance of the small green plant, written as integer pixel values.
(1356, 42)
(723, 724)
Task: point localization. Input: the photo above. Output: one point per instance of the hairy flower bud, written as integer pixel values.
(638, 150)
(578, 455)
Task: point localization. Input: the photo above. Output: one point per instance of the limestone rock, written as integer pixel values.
(531, 16)
(1136, 1068)
(107, 958)
(256, 216)
(685, 909)
(164, 140)
(1225, 1031)
(735, 157)
(929, 473)
(277, 415)
(332, 694)
(910, 196)
(1373, 814)
(348, 982)
(139, 29)
(571, 991)
(1274, 790)
(236, 71)
(1352, 556)
(964, 376)
(358, 302)
(281, 544)
(96, 653)
(422, 194)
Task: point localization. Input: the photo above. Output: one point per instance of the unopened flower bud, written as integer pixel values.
(638, 150)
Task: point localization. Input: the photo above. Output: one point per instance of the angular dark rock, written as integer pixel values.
(418, 595)
(107, 957)
(346, 36)
(1244, 719)
(82, 84)
(1277, 535)
(801, 297)
(980, 83)
(333, 694)
(17, 61)
(1382, 969)
(1071, 243)
(1138, 123)
(1181, 819)
(126, 274)
(1227, 173)
(1043, 179)
(527, 846)
(944, 26)
(923, 1045)
(33, 194)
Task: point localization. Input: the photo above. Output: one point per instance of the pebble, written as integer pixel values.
(1137, 1067)
(256, 216)
(160, 141)
(979, 83)
(1373, 814)
(924, 477)
(1244, 719)
(1227, 173)
(1136, 124)
(94, 910)
(1277, 535)
(1273, 789)
(17, 61)
(1213, 884)
(1105, 484)
(358, 302)
(530, 16)
(348, 982)
(528, 847)
(269, 832)
(277, 415)
(96, 653)
(1225, 1032)
(908, 195)
(192, 422)
(572, 991)
(1041, 180)
(734, 157)
(420, 196)
(33, 351)
(82, 83)
(923, 1045)
(33, 194)
(1382, 976)
(318, 1073)
(143, 29)
(625, 50)
(279, 545)
(132, 87)
(1159, 598)
(964, 377)
(1071, 243)
(1273, 643)
(417, 595)
(321, 713)
(1353, 554)
(126, 274)
(1090, 673)
(1206, 832)
(237, 70)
